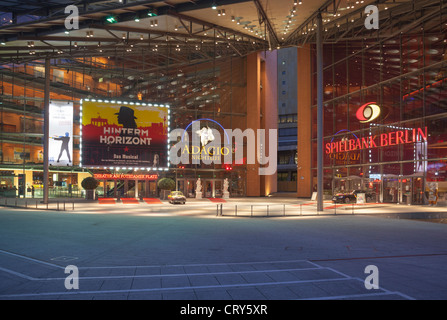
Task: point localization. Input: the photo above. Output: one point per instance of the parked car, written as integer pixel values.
(176, 197)
(352, 196)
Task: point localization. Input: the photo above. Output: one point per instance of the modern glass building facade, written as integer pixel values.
(215, 94)
(391, 92)
(384, 92)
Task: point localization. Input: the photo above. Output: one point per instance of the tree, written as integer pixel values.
(90, 183)
(166, 184)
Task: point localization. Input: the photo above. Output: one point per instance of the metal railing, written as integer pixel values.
(57, 205)
(282, 210)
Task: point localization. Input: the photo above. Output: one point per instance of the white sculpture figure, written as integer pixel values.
(199, 189)
(206, 135)
(199, 185)
(225, 192)
(225, 185)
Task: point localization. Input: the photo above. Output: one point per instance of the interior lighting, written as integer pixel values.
(152, 13)
(111, 19)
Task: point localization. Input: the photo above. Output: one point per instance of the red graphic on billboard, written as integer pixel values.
(124, 135)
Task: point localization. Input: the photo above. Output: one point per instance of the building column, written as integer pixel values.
(304, 122)
(320, 173)
(253, 117)
(262, 113)
(269, 116)
(46, 132)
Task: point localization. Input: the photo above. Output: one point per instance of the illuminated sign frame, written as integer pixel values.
(368, 112)
(406, 136)
(60, 143)
(122, 176)
(129, 166)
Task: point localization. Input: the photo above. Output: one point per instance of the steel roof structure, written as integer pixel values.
(146, 40)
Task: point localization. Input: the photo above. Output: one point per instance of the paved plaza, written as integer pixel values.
(270, 249)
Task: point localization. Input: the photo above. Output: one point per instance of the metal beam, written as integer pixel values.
(46, 132)
(267, 22)
(320, 113)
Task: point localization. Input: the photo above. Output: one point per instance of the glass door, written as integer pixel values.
(181, 185)
(190, 186)
(390, 190)
(141, 189)
(418, 190)
(219, 188)
(152, 190)
(405, 191)
(209, 189)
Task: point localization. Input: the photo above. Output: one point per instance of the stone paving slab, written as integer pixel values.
(240, 281)
(126, 256)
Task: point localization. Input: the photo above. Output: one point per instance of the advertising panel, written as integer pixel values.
(124, 134)
(60, 144)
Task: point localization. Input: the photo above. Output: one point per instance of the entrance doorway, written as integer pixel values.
(390, 189)
(213, 188)
(127, 185)
(418, 190)
(209, 189)
(403, 190)
(187, 186)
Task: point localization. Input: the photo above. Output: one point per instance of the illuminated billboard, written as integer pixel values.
(60, 144)
(116, 134)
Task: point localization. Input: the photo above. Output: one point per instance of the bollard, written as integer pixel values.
(284, 210)
(235, 209)
(335, 207)
(221, 207)
(301, 209)
(267, 210)
(217, 210)
(64, 205)
(352, 208)
(73, 207)
(252, 210)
